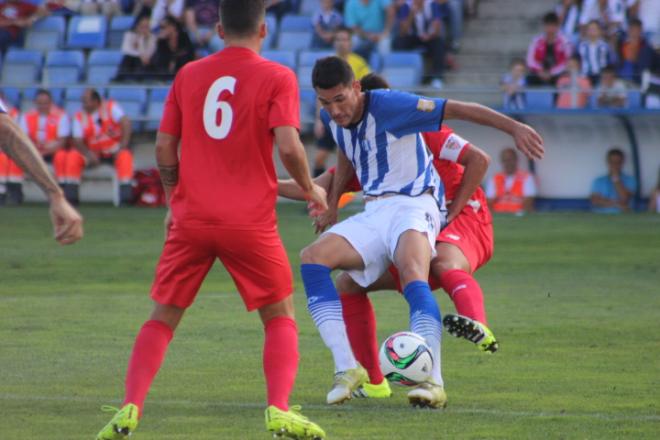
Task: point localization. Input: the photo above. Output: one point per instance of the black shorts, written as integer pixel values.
(326, 142)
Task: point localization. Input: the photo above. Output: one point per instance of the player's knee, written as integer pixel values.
(313, 254)
(345, 284)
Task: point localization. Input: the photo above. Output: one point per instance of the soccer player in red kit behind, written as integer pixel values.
(226, 110)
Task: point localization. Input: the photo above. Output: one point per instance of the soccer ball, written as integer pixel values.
(405, 359)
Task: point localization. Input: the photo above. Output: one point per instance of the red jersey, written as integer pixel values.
(447, 148)
(16, 10)
(224, 108)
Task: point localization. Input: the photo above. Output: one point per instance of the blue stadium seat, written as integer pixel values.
(87, 32)
(271, 25)
(155, 107)
(285, 57)
(132, 100)
(71, 107)
(21, 67)
(12, 96)
(309, 7)
(375, 62)
(634, 99)
(307, 107)
(118, 26)
(64, 67)
(403, 69)
(295, 33)
(72, 97)
(539, 100)
(306, 62)
(102, 66)
(46, 34)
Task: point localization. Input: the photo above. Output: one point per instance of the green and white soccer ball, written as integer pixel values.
(406, 359)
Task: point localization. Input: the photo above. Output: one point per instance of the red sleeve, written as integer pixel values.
(435, 140)
(171, 121)
(284, 106)
(353, 185)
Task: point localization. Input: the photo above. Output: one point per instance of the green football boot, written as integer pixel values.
(472, 330)
(428, 395)
(292, 424)
(345, 383)
(122, 425)
(371, 391)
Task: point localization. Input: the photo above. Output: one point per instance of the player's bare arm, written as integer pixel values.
(289, 188)
(476, 162)
(67, 222)
(167, 159)
(294, 159)
(342, 177)
(527, 140)
(126, 131)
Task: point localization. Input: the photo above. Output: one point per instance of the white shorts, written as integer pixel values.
(375, 232)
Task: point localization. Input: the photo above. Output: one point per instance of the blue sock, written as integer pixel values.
(325, 307)
(425, 320)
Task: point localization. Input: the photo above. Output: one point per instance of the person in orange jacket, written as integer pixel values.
(101, 134)
(513, 190)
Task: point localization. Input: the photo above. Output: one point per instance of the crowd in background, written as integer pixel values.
(592, 51)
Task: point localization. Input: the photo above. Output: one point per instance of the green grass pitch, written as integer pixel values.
(573, 298)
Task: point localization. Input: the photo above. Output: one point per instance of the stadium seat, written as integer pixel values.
(309, 7)
(132, 100)
(375, 62)
(12, 96)
(87, 32)
(271, 26)
(539, 100)
(72, 97)
(285, 57)
(306, 62)
(307, 107)
(155, 107)
(21, 67)
(295, 33)
(102, 66)
(634, 99)
(118, 26)
(46, 34)
(403, 69)
(64, 67)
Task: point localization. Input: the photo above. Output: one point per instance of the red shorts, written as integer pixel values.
(472, 237)
(255, 259)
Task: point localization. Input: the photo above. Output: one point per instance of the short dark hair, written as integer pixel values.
(517, 60)
(616, 152)
(576, 57)
(373, 81)
(43, 92)
(635, 22)
(96, 96)
(241, 18)
(330, 72)
(550, 18)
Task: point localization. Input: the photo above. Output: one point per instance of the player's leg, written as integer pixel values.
(4, 171)
(329, 252)
(73, 171)
(360, 322)
(464, 246)
(124, 169)
(183, 265)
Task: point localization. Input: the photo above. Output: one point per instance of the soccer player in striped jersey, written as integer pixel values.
(379, 135)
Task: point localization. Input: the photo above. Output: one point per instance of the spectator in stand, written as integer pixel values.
(371, 21)
(632, 52)
(419, 25)
(651, 76)
(595, 54)
(610, 14)
(173, 50)
(513, 84)
(96, 7)
(325, 144)
(649, 12)
(654, 200)
(200, 18)
(548, 53)
(11, 175)
(568, 12)
(101, 134)
(163, 8)
(326, 21)
(574, 87)
(15, 17)
(612, 90)
(512, 190)
(613, 192)
(138, 47)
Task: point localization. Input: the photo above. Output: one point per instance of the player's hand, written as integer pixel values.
(317, 200)
(452, 213)
(323, 221)
(67, 222)
(528, 141)
(167, 222)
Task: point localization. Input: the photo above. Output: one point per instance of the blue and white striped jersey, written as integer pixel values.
(386, 148)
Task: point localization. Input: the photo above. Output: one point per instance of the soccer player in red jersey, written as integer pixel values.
(214, 150)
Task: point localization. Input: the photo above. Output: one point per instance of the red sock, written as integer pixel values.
(148, 354)
(466, 294)
(280, 360)
(361, 329)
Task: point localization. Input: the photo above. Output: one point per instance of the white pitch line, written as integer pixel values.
(347, 408)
